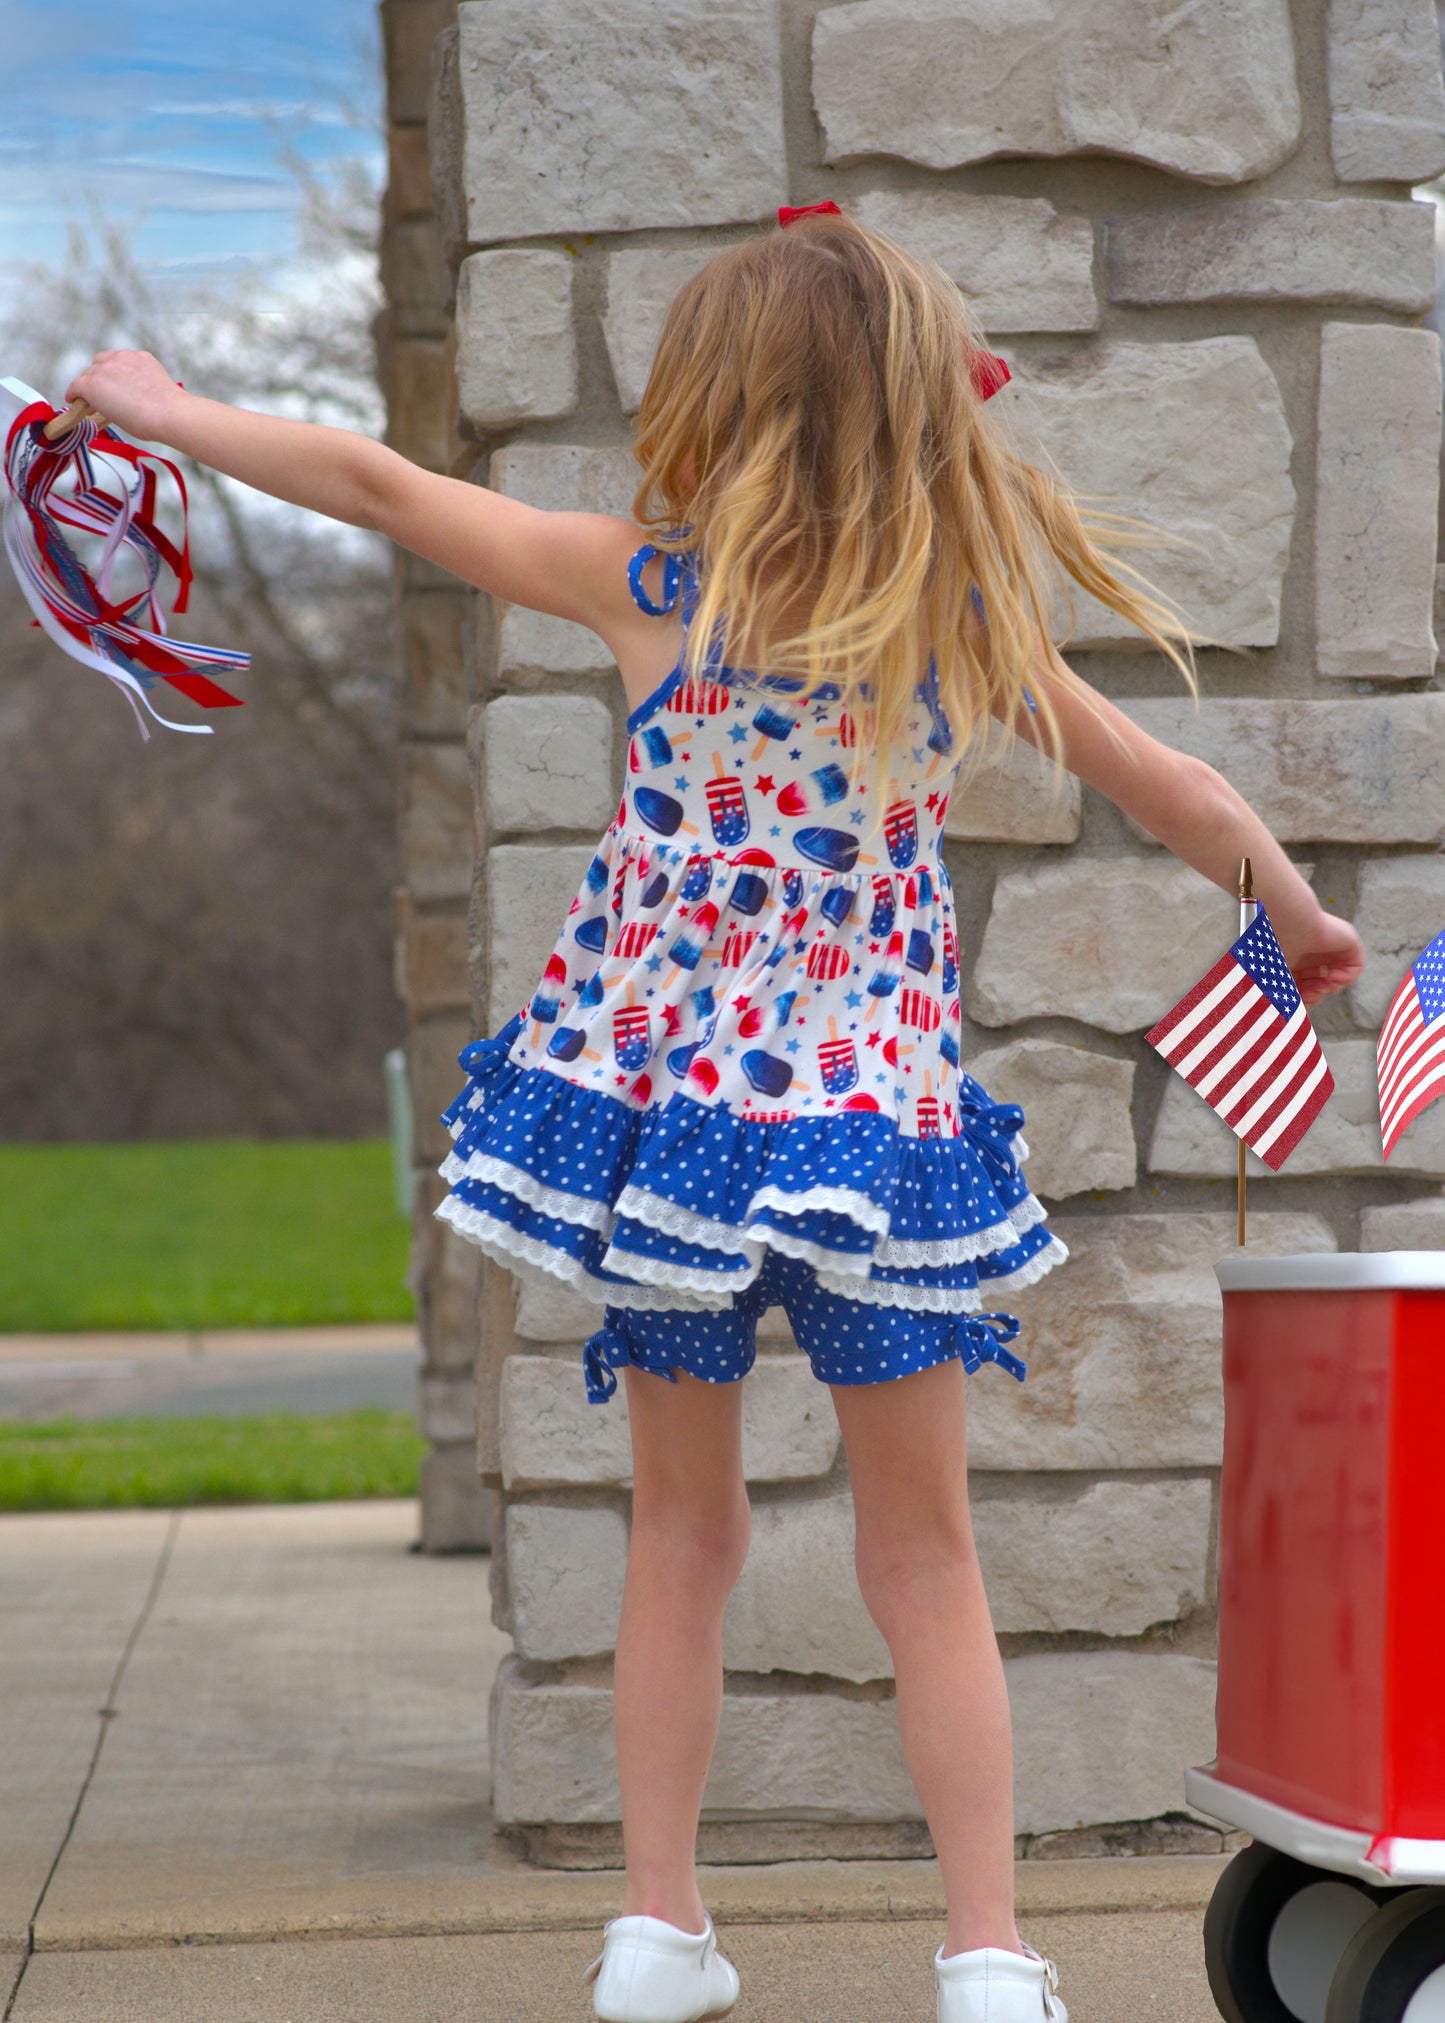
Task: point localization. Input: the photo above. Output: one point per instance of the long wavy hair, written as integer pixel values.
(811, 433)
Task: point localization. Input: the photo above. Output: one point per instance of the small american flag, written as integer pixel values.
(1243, 1040)
(1412, 1045)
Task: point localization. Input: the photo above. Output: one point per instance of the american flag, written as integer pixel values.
(1412, 1045)
(1242, 1038)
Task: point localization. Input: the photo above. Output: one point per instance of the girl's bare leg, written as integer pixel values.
(920, 1578)
(689, 1541)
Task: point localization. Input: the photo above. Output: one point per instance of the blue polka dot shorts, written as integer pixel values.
(846, 1341)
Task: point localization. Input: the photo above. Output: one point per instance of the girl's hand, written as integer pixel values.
(1326, 958)
(130, 388)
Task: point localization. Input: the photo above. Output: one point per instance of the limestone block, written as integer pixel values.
(796, 1607)
(1014, 796)
(1398, 901)
(600, 116)
(552, 1437)
(456, 1511)
(1405, 1225)
(1123, 1345)
(434, 820)
(1344, 1138)
(1021, 265)
(445, 1270)
(1111, 1557)
(414, 277)
(446, 1407)
(554, 1757)
(420, 400)
(828, 1757)
(641, 282)
(436, 688)
(434, 1078)
(564, 1577)
(1370, 770)
(530, 889)
(566, 477)
(547, 763)
(1191, 438)
(550, 1311)
(1208, 92)
(1387, 104)
(1077, 1111)
(516, 346)
(1072, 1710)
(408, 167)
(1113, 941)
(1275, 249)
(409, 27)
(1378, 493)
(431, 960)
(558, 478)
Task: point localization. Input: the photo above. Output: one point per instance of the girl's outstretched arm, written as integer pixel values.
(570, 564)
(1195, 813)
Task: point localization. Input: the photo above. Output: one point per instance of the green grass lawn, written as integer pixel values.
(283, 1458)
(204, 1233)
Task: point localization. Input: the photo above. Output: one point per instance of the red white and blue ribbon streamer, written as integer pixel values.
(122, 636)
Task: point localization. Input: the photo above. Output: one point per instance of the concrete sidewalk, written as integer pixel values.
(232, 1740)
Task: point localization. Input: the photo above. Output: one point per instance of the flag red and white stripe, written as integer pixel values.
(1242, 1039)
(1411, 1050)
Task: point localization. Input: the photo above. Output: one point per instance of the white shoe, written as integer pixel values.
(994, 1986)
(650, 1972)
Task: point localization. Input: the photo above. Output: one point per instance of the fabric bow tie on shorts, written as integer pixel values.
(986, 369)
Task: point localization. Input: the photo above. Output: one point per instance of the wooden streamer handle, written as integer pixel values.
(61, 424)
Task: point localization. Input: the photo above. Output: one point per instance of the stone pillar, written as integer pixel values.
(435, 622)
(1195, 241)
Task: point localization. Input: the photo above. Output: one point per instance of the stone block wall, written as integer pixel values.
(1193, 236)
(436, 622)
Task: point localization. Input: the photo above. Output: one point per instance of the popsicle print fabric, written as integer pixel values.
(763, 946)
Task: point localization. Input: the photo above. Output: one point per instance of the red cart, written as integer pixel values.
(1331, 1710)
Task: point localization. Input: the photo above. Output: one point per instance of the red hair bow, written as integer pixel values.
(985, 368)
(789, 214)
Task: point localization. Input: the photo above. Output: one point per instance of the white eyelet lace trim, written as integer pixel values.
(830, 1200)
(514, 1180)
(1055, 1252)
(529, 1258)
(901, 1254)
(814, 1254)
(935, 1299)
(669, 1218)
(656, 1271)
(640, 1204)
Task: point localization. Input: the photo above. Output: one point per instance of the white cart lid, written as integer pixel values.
(1335, 1271)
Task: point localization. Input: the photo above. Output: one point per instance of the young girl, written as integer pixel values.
(738, 1083)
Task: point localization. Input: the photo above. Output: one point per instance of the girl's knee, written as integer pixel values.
(702, 1539)
(900, 1571)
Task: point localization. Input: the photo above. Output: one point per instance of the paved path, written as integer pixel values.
(226, 1372)
(243, 1776)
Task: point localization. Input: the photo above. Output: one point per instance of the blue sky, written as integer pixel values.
(166, 111)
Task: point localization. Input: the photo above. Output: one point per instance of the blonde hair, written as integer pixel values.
(811, 432)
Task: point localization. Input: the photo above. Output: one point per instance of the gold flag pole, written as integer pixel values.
(1246, 919)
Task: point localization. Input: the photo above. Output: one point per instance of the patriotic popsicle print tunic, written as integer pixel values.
(747, 1034)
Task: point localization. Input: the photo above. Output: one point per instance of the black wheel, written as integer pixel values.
(1393, 1969)
(1274, 1933)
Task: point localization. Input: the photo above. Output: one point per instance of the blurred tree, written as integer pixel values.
(195, 933)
